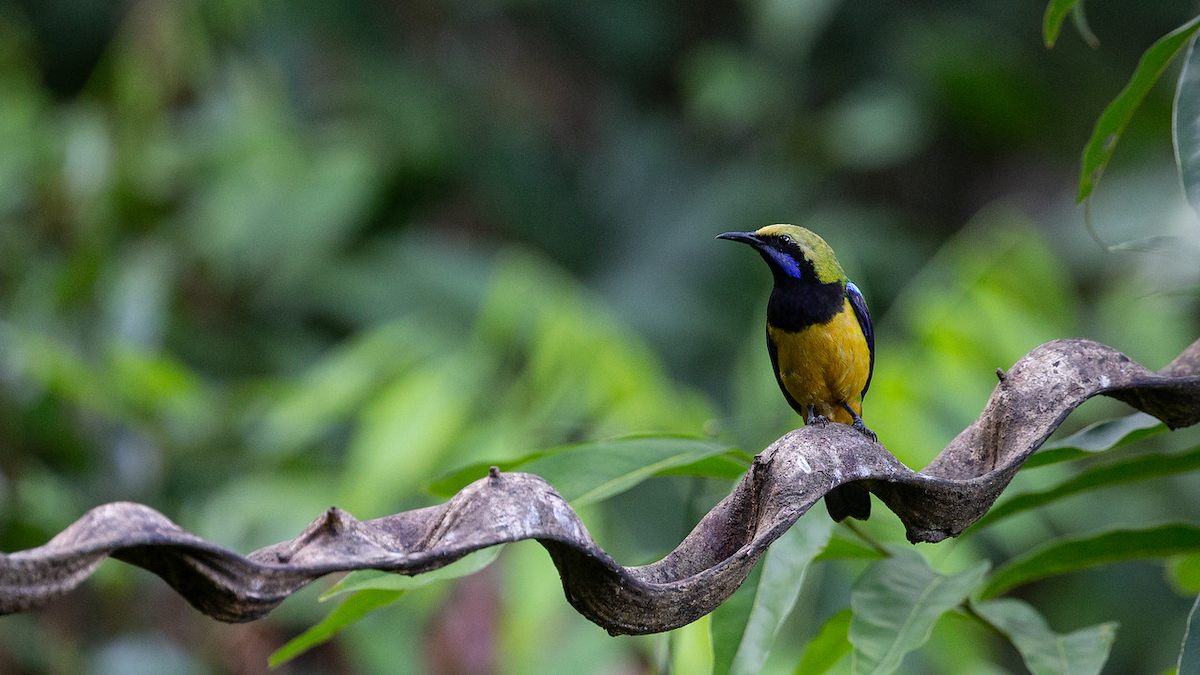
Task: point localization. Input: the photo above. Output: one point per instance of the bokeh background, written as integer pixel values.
(261, 257)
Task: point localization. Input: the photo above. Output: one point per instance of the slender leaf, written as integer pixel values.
(354, 608)
(1131, 470)
(388, 581)
(839, 549)
(1116, 116)
(337, 386)
(1109, 434)
(828, 647)
(691, 647)
(1052, 20)
(729, 465)
(449, 484)
(1045, 652)
(1079, 18)
(778, 588)
(1183, 573)
(372, 589)
(1185, 126)
(729, 622)
(1098, 437)
(1060, 557)
(896, 602)
(1160, 243)
(1189, 652)
(591, 472)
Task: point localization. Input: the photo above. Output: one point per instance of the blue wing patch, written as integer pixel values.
(859, 303)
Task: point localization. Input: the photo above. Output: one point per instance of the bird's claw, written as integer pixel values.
(818, 419)
(862, 429)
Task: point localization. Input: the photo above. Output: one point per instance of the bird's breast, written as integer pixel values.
(823, 364)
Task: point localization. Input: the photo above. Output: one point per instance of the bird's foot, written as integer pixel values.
(862, 429)
(819, 420)
(858, 423)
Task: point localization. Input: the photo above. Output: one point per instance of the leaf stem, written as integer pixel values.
(970, 612)
(871, 541)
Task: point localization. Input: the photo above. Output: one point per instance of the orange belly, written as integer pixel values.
(824, 365)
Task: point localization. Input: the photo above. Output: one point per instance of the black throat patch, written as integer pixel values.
(796, 306)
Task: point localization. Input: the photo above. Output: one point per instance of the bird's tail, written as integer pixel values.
(848, 501)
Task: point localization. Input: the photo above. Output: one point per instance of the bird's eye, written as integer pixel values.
(785, 240)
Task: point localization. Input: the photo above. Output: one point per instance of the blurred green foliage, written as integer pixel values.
(258, 258)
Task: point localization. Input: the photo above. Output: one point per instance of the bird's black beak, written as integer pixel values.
(744, 237)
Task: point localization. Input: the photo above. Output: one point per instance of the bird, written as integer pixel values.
(820, 339)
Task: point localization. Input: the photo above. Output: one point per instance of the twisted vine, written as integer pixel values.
(786, 479)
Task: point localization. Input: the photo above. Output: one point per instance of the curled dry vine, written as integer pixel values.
(956, 489)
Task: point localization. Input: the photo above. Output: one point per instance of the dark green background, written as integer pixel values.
(261, 257)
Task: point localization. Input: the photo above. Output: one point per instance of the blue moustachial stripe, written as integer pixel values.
(786, 263)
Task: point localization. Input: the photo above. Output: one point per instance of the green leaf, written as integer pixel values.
(729, 622)
(1052, 20)
(779, 586)
(1116, 116)
(449, 484)
(424, 411)
(1183, 573)
(1189, 652)
(584, 467)
(389, 581)
(1185, 126)
(354, 608)
(839, 549)
(1159, 243)
(1056, 11)
(372, 589)
(593, 472)
(692, 648)
(1098, 437)
(1112, 433)
(828, 647)
(1060, 557)
(1045, 652)
(896, 602)
(328, 394)
(1138, 468)
(729, 465)
(1079, 18)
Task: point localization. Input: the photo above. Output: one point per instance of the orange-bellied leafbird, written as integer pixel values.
(820, 339)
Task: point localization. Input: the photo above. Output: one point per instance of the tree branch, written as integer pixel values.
(787, 478)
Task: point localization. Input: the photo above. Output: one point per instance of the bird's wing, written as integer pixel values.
(859, 303)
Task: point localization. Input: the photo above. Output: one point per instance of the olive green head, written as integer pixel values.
(793, 253)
